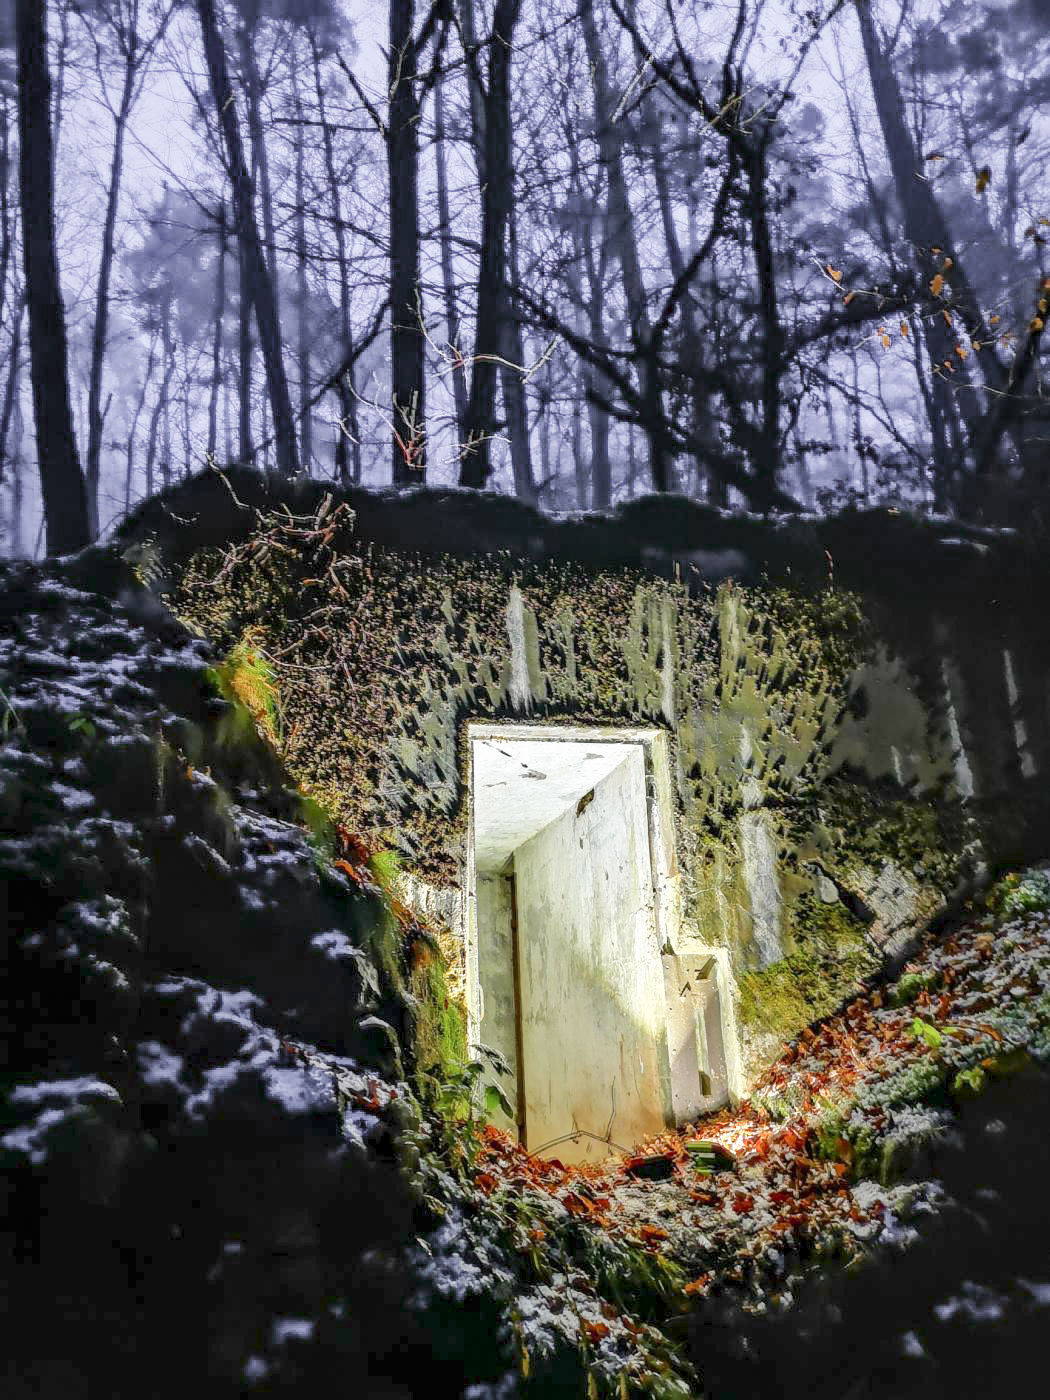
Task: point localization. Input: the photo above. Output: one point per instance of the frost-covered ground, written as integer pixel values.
(217, 1176)
(203, 1094)
(833, 1148)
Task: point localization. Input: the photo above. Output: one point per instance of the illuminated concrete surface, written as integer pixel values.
(572, 919)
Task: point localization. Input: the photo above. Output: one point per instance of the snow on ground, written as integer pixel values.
(843, 1115)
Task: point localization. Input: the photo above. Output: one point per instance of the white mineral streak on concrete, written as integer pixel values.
(960, 761)
(1020, 729)
(763, 889)
(898, 771)
(520, 689)
(750, 788)
(667, 675)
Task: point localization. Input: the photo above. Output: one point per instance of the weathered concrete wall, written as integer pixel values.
(857, 708)
(496, 1028)
(593, 1022)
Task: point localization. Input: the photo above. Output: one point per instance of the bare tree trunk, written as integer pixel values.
(17, 542)
(692, 351)
(227, 433)
(766, 459)
(448, 271)
(109, 225)
(926, 229)
(545, 423)
(491, 118)
(512, 380)
(306, 447)
(253, 91)
(257, 274)
(169, 371)
(11, 387)
(497, 193)
(590, 321)
(595, 383)
(159, 408)
(347, 460)
(406, 293)
(620, 232)
(216, 344)
(579, 466)
(135, 423)
(61, 481)
(7, 219)
(244, 362)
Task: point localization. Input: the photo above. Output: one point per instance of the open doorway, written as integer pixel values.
(576, 972)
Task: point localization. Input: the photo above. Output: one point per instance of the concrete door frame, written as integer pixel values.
(660, 822)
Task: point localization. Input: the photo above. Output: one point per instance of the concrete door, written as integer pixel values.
(590, 982)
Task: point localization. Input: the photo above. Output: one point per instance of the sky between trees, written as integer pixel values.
(771, 255)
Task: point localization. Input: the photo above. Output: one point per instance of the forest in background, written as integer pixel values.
(772, 254)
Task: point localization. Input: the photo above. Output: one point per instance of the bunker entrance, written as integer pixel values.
(609, 1021)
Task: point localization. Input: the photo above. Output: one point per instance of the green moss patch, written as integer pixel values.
(827, 954)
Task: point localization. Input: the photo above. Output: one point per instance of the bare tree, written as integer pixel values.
(256, 276)
(347, 459)
(407, 88)
(497, 338)
(61, 480)
(123, 20)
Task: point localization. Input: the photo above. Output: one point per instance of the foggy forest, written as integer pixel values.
(774, 255)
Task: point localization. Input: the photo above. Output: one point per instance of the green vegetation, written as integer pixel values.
(909, 986)
(1020, 893)
(827, 955)
(246, 678)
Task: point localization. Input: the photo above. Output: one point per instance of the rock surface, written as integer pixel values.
(199, 1124)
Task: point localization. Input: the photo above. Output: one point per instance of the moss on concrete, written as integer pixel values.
(440, 1041)
(827, 954)
(782, 692)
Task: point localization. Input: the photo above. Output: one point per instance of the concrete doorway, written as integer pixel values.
(576, 972)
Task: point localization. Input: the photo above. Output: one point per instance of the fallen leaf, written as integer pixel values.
(833, 273)
(984, 175)
(937, 285)
(594, 1331)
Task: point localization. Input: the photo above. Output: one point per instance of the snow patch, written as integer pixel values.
(29, 1139)
(285, 1329)
(73, 1089)
(976, 1302)
(1040, 1292)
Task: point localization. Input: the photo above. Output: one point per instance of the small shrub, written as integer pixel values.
(1024, 892)
(246, 678)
